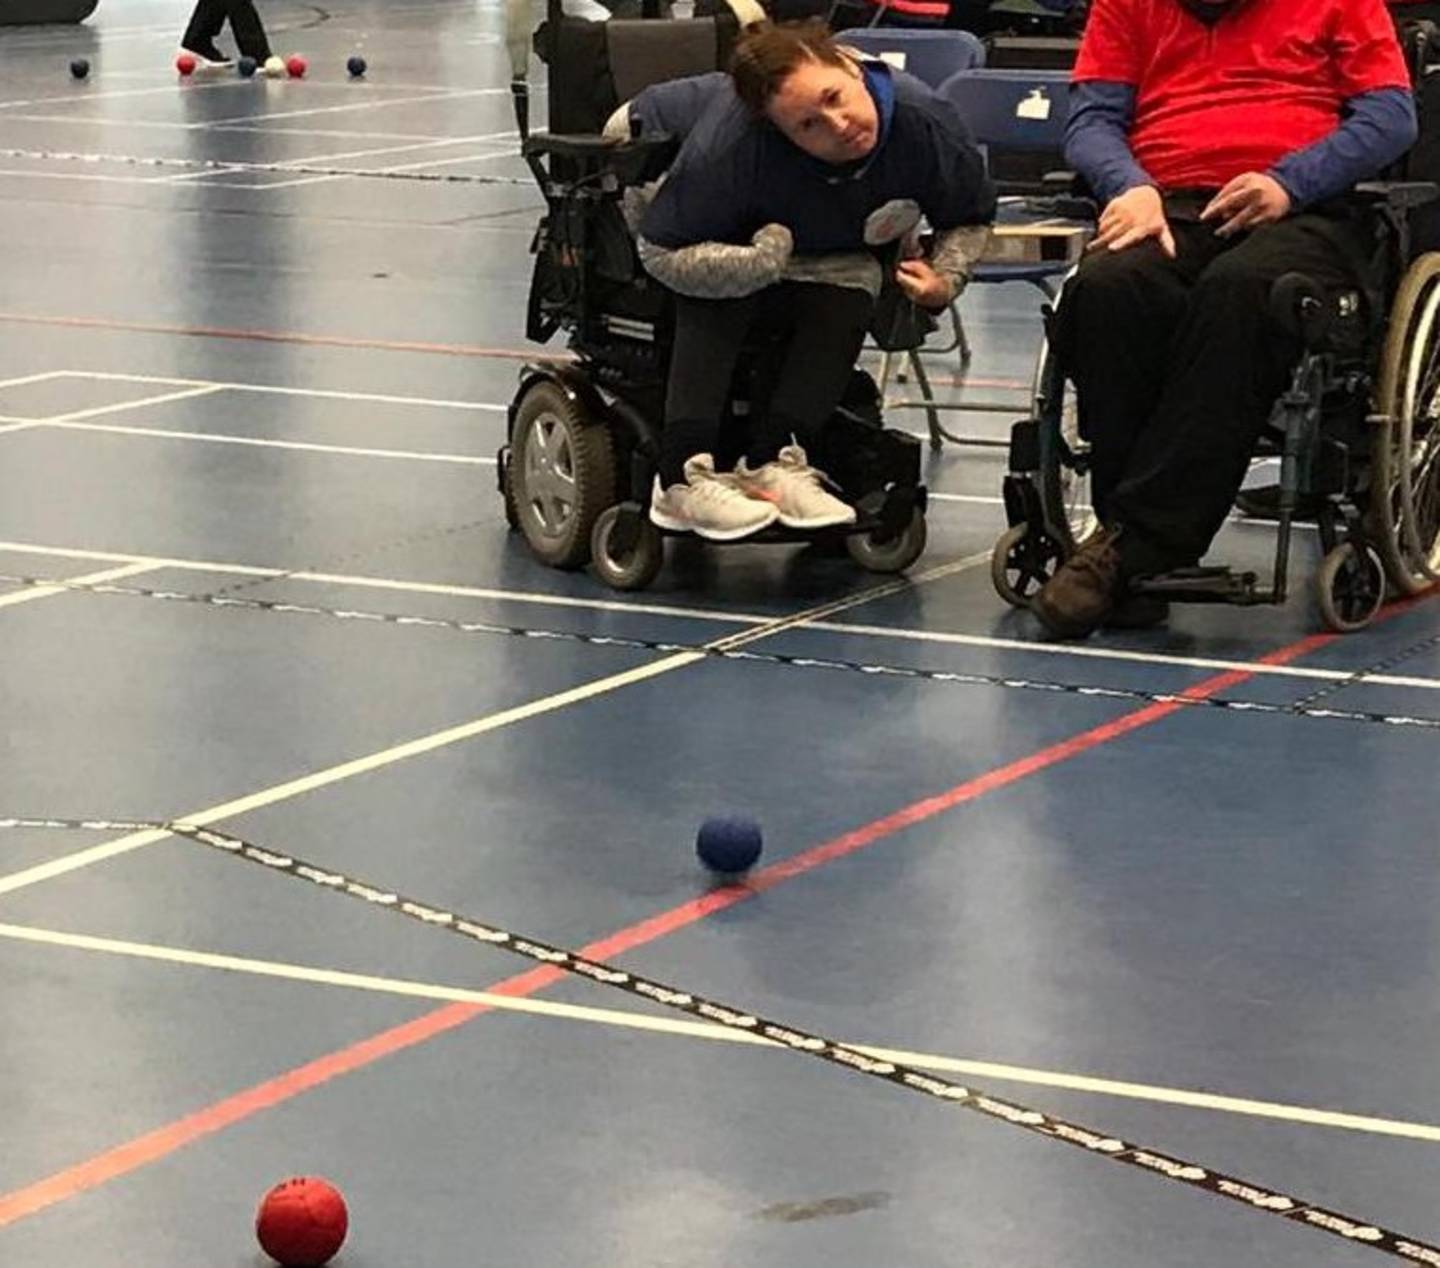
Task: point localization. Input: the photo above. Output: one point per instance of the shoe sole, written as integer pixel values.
(1057, 627)
(825, 521)
(732, 534)
(663, 521)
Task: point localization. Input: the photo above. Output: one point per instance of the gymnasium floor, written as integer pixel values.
(1213, 932)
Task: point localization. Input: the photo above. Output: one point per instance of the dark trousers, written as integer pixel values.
(1178, 363)
(245, 25)
(823, 327)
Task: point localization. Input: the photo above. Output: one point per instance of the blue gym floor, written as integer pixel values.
(1213, 932)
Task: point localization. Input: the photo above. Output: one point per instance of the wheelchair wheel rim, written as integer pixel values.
(549, 460)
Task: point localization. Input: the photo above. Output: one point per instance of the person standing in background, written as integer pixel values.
(245, 25)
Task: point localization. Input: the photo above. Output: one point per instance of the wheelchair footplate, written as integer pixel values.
(883, 516)
(1204, 585)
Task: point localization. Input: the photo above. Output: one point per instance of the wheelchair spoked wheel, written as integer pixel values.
(1064, 456)
(561, 474)
(1028, 555)
(1022, 562)
(626, 549)
(1350, 587)
(895, 554)
(1405, 500)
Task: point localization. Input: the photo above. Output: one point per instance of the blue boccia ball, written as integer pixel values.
(729, 845)
(247, 66)
(356, 66)
(80, 68)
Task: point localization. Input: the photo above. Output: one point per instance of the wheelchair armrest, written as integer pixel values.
(1401, 195)
(635, 159)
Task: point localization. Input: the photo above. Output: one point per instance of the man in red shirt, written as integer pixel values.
(1220, 137)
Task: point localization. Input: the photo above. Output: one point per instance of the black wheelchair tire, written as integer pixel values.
(1409, 560)
(1350, 587)
(557, 448)
(632, 569)
(895, 555)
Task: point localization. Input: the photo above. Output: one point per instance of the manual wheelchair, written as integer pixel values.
(1357, 433)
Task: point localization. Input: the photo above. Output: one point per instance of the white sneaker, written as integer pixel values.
(709, 503)
(274, 68)
(797, 490)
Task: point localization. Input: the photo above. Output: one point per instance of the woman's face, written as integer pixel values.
(827, 111)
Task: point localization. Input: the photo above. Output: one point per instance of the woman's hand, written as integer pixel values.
(923, 284)
(1134, 217)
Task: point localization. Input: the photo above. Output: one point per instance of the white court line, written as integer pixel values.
(93, 578)
(388, 171)
(311, 159)
(26, 379)
(465, 731)
(171, 126)
(411, 587)
(630, 1020)
(119, 407)
(898, 633)
(455, 95)
(322, 393)
(76, 98)
(409, 455)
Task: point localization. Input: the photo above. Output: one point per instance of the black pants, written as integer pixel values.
(245, 25)
(823, 327)
(1178, 363)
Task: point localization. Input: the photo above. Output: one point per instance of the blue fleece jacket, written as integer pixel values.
(736, 173)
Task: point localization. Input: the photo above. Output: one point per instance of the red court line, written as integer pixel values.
(356, 341)
(282, 336)
(165, 1140)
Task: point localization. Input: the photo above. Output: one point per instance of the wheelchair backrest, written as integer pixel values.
(595, 66)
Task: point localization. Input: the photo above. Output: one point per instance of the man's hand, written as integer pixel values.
(1134, 217)
(923, 284)
(1247, 202)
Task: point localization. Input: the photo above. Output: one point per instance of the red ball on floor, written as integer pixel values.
(302, 1222)
(185, 64)
(297, 66)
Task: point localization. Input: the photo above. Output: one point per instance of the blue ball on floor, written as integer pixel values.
(729, 845)
(80, 68)
(356, 66)
(247, 66)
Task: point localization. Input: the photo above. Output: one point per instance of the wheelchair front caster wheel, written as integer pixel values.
(1021, 563)
(894, 555)
(1350, 587)
(626, 548)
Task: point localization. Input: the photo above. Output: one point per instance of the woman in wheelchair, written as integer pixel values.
(1221, 137)
(799, 172)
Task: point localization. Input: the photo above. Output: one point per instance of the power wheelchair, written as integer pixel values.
(1357, 433)
(583, 436)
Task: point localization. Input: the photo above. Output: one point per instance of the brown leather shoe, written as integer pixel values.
(1084, 592)
(1137, 612)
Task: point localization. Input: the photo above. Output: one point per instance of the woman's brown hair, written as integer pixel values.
(769, 53)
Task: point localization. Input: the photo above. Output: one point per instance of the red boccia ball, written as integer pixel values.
(297, 66)
(185, 64)
(302, 1222)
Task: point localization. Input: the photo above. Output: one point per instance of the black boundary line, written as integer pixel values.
(1348, 1228)
(1300, 709)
